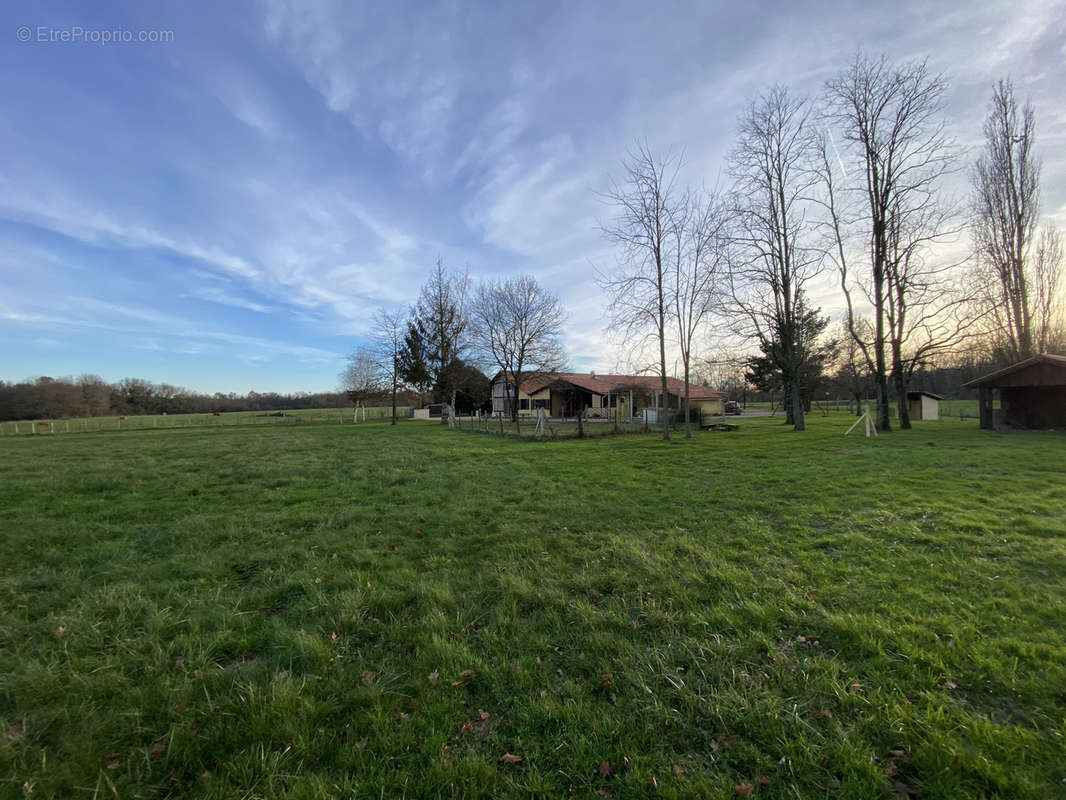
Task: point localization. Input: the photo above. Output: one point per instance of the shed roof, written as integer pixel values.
(916, 394)
(1055, 363)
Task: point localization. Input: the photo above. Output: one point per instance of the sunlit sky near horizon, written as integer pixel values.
(225, 210)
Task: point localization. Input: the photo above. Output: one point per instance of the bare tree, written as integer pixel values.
(771, 164)
(700, 266)
(441, 317)
(648, 232)
(516, 326)
(852, 369)
(389, 330)
(1019, 285)
(888, 119)
(362, 378)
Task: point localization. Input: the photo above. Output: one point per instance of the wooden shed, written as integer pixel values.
(923, 405)
(1032, 394)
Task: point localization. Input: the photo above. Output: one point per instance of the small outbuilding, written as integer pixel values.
(923, 405)
(1032, 394)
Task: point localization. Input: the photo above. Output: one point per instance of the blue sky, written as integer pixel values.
(225, 210)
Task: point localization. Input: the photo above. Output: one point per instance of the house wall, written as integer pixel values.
(708, 407)
(499, 400)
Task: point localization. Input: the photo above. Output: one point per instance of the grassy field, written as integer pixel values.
(948, 408)
(168, 421)
(377, 611)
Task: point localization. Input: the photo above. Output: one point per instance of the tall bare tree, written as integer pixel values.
(700, 268)
(771, 164)
(441, 317)
(389, 329)
(516, 326)
(1019, 282)
(646, 229)
(888, 118)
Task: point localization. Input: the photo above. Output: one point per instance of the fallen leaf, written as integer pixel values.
(731, 740)
(950, 685)
(543, 692)
(607, 679)
(434, 676)
(402, 715)
(678, 771)
(653, 781)
(823, 714)
(113, 761)
(604, 769)
(466, 726)
(510, 758)
(466, 673)
(60, 631)
(743, 789)
(359, 745)
(319, 579)
(15, 731)
(890, 768)
(763, 780)
(368, 675)
(625, 762)
(157, 751)
(897, 753)
(334, 637)
(482, 714)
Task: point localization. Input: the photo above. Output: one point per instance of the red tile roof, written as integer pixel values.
(602, 384)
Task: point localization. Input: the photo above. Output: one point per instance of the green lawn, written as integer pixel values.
(370, 611)
(168, 421)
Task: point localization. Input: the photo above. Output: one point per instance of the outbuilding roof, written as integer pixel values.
(1040, 358)
(602, 384)
(916, 394)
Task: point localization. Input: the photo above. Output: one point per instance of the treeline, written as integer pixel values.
(91, 396)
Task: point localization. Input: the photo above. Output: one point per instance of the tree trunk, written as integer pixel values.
(688, 416)
(394, 391)
(786, 403)
(663, 409)
(901, 399)
(797, 408)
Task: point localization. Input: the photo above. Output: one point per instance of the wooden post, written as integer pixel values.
(984, 406)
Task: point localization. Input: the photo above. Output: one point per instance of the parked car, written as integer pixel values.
(732, 407)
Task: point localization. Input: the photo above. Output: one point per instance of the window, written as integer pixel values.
(523, 404)
(542, 402)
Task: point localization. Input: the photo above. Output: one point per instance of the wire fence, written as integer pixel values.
(340, 416)
(562, 427)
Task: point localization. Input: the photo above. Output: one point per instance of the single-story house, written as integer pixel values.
(1032, 394)
(564, 394)
(923, 405)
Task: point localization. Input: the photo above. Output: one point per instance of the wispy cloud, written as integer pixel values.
(309, 161)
